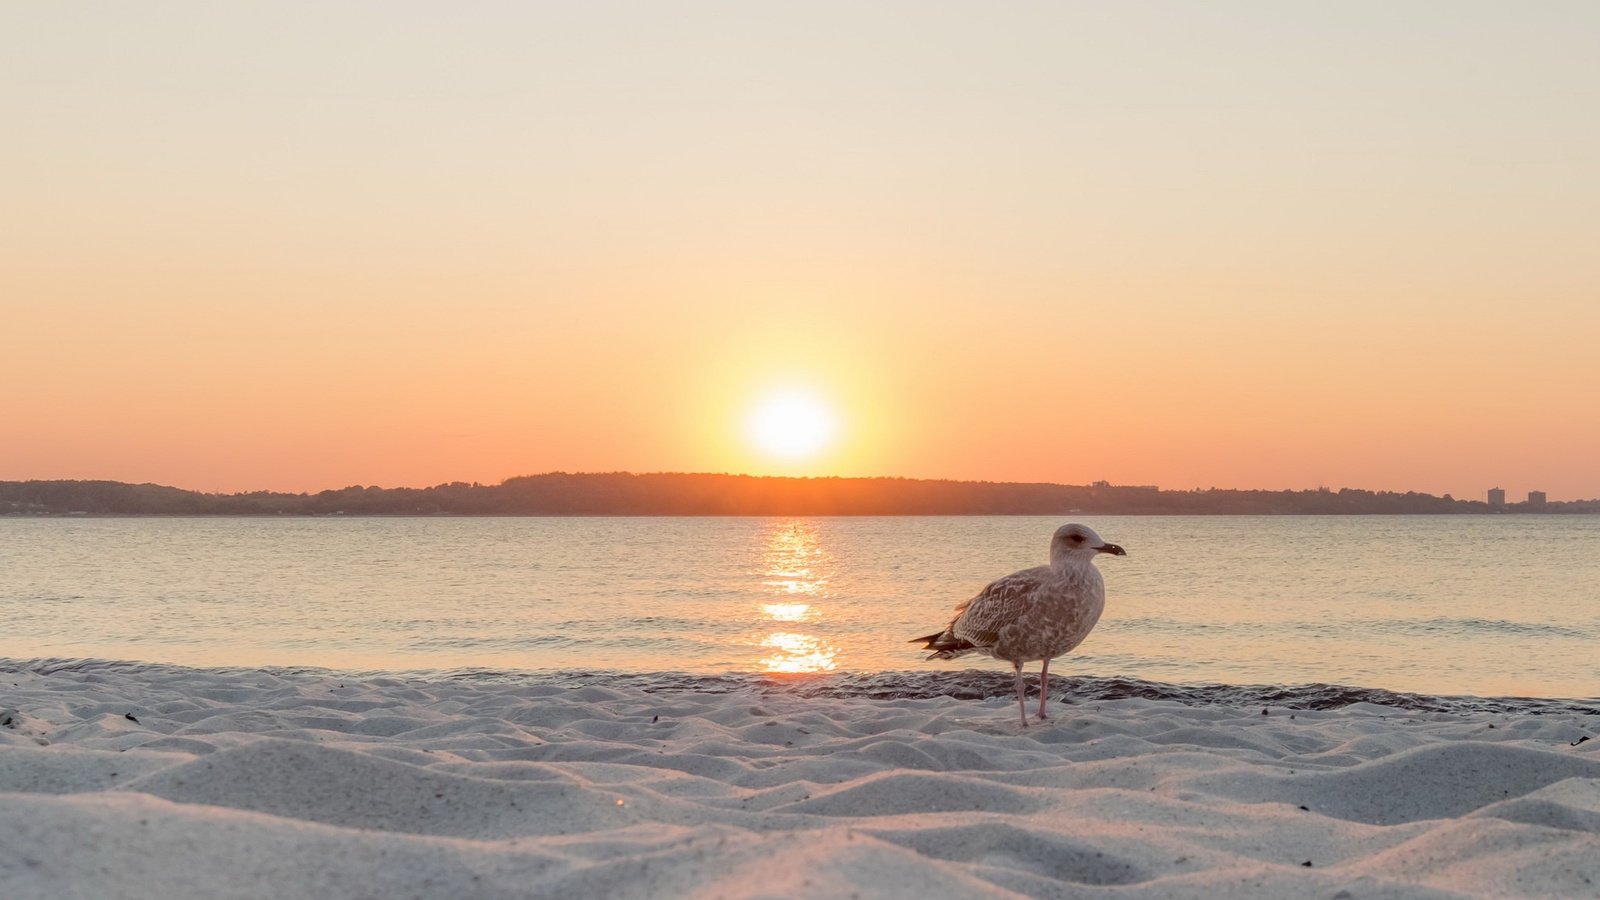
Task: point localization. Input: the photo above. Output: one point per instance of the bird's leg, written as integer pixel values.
(1044, 689)
(1022, 694)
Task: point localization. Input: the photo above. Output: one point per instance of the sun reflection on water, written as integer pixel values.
(786, 612)
(797, 653)
(791, 558)
(794, 563)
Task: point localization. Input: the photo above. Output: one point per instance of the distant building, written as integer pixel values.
(1126, 487)
(1536, 498)
(1497, 497)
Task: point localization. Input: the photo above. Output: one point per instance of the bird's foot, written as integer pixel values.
(1044, 717)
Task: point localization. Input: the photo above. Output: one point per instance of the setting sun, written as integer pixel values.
(792, 424)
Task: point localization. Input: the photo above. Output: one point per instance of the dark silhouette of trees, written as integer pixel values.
(626, 494)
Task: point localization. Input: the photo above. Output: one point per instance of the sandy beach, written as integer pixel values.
(138, 781)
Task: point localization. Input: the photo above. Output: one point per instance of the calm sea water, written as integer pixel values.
(1490, 606)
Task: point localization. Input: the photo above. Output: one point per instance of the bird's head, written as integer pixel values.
(1079, 542)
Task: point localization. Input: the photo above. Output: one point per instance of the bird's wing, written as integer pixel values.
(980, 619)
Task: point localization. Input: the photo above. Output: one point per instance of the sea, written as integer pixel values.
(1425, 611)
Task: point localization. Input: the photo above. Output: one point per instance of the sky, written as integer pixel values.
(297, 246)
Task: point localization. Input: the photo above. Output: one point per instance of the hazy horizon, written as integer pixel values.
(285, 246)
(1510, 496)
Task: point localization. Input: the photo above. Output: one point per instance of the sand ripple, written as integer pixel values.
(162, 782)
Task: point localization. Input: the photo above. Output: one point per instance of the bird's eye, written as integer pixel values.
(1077, 539)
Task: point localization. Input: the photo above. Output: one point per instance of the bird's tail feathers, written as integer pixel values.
(945, 645)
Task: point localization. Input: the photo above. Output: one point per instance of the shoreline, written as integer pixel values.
(970, 683)
(153, 781)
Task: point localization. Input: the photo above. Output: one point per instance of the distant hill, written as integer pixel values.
(624, 494)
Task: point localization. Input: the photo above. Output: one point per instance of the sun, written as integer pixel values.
(792, 424)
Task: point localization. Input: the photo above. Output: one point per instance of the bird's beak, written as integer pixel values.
(1112, 549)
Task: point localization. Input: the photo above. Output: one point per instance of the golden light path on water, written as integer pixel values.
(793, 564)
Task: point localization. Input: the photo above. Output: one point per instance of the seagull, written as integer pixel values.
(1035, 614)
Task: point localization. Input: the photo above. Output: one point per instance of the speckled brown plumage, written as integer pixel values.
(1034, 615)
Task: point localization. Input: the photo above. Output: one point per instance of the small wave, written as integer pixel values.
(1495, 626)
(477, 643)
(648, 622)
(1163, 625)
(1435, 626)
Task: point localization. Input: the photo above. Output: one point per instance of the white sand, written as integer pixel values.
(247, 784)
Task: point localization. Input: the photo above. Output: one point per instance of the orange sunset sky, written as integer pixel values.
(296, 246)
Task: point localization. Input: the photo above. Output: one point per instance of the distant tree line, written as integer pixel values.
(625, 494)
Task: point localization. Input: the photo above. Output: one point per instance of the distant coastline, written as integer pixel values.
(669, 494)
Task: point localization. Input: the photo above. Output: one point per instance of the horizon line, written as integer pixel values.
(1098, 483)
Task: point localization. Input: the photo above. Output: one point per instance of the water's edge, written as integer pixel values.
(969, 684)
